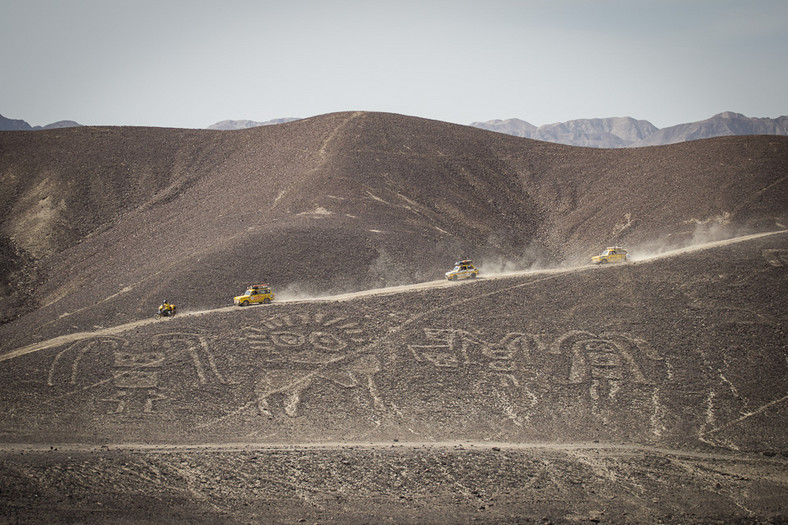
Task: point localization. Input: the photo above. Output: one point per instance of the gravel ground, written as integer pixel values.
(648, 392)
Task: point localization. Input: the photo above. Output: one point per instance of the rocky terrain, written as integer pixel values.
(372, 390)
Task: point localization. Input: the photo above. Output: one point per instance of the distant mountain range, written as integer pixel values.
(626, 132)
(244, 124)
(613, 132)
(7, 124)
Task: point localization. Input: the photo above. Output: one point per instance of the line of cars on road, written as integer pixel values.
(463, 269)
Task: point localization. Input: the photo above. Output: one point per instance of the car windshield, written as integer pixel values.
(606, 252)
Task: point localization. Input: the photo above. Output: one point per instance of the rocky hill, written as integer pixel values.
(138, 214)
(372, 389)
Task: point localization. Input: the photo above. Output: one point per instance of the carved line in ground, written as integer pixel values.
(775, 257)
(81, 352)
(722, 388)
(322, 158)
(147, 379)
(164, 340)
(324, 346)
(261, 339)
(585, 342)
(183, 336)
(577, 375)
(366, 348)
(745, 416)
(605, 362)
(137, 370)
(295, 387)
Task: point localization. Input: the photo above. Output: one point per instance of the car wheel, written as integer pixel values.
(453, 277)
(603, 261)
(473, 276)
(157, 316)
(245, 303)
(266, 300)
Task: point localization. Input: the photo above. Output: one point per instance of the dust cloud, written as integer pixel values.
(299, 291)
(712, 230)
(533, 258)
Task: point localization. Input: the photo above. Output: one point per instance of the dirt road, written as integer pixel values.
(393, 290)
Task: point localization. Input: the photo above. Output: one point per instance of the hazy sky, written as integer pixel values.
(193, 63)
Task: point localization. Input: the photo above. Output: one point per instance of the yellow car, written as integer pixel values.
(612, 254)
(256, 294)
(462, 270)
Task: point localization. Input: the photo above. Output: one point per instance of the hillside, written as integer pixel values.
(649, 392)
(372, 389)
(112, 220)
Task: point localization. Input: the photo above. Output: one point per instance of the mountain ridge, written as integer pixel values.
(7, 124)
(626, 132)
(611, 132)
(246, 124)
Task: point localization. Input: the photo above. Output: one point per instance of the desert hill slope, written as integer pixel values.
(670, 351)
(648, 392)
(100, 224)
(653, 391)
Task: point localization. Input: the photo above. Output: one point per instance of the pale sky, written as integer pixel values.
(192, 63)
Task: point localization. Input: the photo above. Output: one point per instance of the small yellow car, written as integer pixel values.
(462, 270)
(255, 294)
(612, 254)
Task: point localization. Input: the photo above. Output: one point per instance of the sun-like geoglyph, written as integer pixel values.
(304, 338)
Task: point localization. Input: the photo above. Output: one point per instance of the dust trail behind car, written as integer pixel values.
(651, 251)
